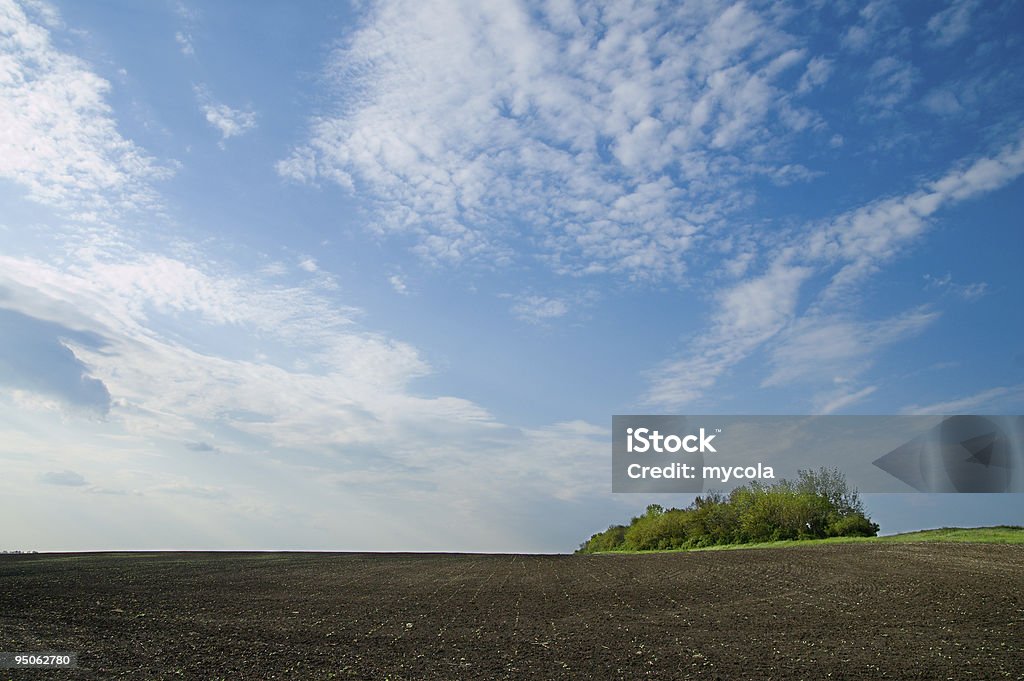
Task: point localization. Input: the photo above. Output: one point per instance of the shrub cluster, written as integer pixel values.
(818, 504)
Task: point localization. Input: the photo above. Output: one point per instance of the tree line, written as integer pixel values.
(816, 505)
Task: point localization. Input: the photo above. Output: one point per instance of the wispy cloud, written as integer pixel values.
(274, 269)
(842, 399)
(226, 120)
(398, 284)
(952, 23)
(986, 399)
(748, 314)
(538, 309)
(817, 348)
(878, 26)
(968, 292)
(816, 74)
(230, 122)
(196, 491)
(942, 102)
(184, 41)
(890, 82)
(189, 20)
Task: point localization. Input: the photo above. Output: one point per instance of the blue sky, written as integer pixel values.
(377, 276)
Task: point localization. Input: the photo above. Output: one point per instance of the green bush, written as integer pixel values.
(611, 539)
(855, 525)
(819, 504)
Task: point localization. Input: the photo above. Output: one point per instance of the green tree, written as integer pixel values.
(831, 484)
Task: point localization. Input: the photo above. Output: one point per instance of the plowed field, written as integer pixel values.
(859, 611)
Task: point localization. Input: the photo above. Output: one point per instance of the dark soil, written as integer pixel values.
(859, 611)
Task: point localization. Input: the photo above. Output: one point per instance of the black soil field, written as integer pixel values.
(859, 611)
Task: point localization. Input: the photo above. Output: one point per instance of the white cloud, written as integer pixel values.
(876, 19)
(189, 19)
(942, 102)
(856, 38)
(308, 265)
(58, 137)
(817, 73)
(274, 269)
(226, 120)
(973, 291)
(968, 292)
(890, 82)
(398, 284)
(301, 166)
(184, 41)
(600, 139)
(230, 122)
(952, 23)
(186, 13)
(761, 305)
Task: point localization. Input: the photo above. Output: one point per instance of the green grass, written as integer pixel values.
(1000, 534)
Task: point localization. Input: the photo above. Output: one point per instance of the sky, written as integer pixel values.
(376, 276)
